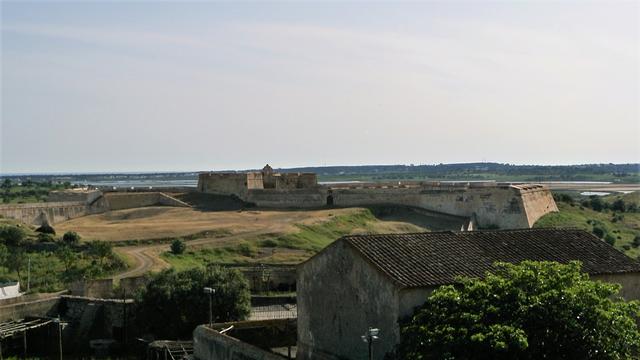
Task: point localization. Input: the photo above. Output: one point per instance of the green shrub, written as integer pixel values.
(12, 235)
(610, 239)
(46, 237)
(245, 249)
(71, 238)
(46, 229)
(178, 246)
(270, 243)
(599, 231)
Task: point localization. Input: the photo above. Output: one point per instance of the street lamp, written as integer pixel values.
(369, 337)
(210, 291)
(57, 322)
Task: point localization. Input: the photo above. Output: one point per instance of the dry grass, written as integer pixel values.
(166, 222)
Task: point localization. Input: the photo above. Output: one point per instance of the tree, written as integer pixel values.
(596, 203)
(12, 236)
(177, 298)
(4, 254)
(46, 229)
(178, 246)
(619, 205)
(16, 261)
(534, 310)
(67, 256)
(599, 231)
(101, 250)
(610, 239)
(71, 238)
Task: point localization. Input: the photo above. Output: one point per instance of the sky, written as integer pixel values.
(186, 86)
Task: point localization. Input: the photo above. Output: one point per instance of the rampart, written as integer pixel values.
(94, 202)
(51, 212)
(487, 204)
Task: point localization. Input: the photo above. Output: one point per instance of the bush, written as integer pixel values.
(245, 249)
(12, 235)
(178, 246)
(46, 229)
(596, 203)
(270, 243)
(71, 238)
(610, 239)
(177, 298)
(599, 231)
(636, 241)
(534, 310)
(46, 237)
(619, 205)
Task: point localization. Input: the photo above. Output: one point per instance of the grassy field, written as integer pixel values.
(290, 247)
(624, 229)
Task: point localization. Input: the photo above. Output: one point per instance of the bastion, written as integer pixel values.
(487, 204)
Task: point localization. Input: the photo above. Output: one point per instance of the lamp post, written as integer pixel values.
(210, 291)
(369, 337)
(57, 322)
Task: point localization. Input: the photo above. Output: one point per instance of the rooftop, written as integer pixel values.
(436, 258)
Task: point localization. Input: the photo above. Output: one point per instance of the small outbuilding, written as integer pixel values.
(364, 281)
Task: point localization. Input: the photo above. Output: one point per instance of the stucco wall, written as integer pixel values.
(339, 296)
(630, 283)
(209, 344)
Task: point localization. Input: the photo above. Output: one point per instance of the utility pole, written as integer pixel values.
(210, 291)
(29, 274)
(57, 321)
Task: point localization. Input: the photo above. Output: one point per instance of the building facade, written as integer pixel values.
(375, 280)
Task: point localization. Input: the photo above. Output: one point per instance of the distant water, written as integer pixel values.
(150, 183)
(594, 193)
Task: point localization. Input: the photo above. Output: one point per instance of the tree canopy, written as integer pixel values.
(534, 310)
(178, 298)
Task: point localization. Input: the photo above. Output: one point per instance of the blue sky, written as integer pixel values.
(144, 86)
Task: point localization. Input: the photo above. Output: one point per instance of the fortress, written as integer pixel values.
(486, 204)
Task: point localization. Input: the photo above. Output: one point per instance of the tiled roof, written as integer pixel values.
(436, 258)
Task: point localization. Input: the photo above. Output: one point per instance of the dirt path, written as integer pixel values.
(147, 257)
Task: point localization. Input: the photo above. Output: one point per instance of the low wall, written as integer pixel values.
(101, 288)
(38, 213)
(39, 307)
(292, 198)
(126, 200)
(209, 344)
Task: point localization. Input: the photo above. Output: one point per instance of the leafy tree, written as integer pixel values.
(67, 256)
(534, 310)
(619, 205)
(610, 239)
(16, 261)
(6, 184)
(101, 250)
(4, 254)
(177, 298)
(12, 235)
(596, 203)
(71, 238)
(178, 246)
(636, 241)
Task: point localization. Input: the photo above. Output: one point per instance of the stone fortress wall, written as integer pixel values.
(69, 204)
(488, 204)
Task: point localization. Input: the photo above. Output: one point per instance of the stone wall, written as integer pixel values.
(359, 297)
(294, 198)
(223, 183)
(100, 288)
(127, 200)
(40, 307)
(209, 344)
(38, 213)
